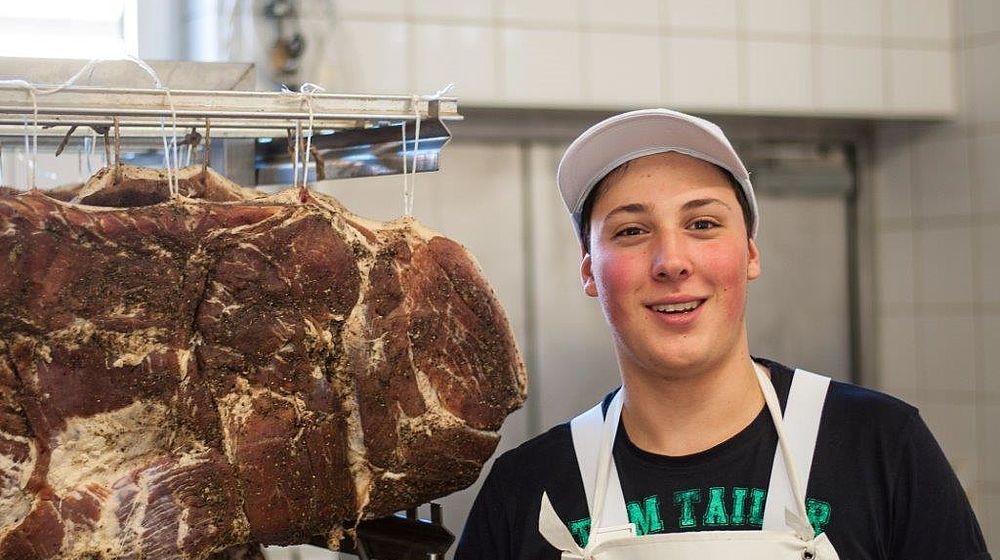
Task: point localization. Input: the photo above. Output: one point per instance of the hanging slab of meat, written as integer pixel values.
(189, 378)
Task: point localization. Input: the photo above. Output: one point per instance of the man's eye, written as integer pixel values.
(704, 224)
(629, 232)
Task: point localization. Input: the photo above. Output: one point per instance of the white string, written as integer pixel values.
(34, 140)
(27, 149)
(172, 180)
(89, 67)
(305, 96)
(307, 90)
(295, 160)
(407, 193)
(410, 179)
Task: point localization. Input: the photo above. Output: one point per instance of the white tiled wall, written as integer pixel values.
(702, 73)
(640, 14)
(609, 77)
(718, 15)
(779, 76)
(853, 18)
(465, 47)
(542, 66)
(836, 57)
(850, 78)
(778, 16)
(937, 218)
(920, 19)
(945, 265)
(920, 81)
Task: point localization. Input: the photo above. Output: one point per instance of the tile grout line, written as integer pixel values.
(963, 95)
(742, 58)
(918, 267)
(661, 26)
(815, 56)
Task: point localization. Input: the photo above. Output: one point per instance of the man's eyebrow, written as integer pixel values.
(700, 202)
(634, 208)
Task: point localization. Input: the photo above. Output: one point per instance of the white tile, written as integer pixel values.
(941, 172)
(989, 262)
(894, 267)
(990, 454)
(485, 218)
(779, 75)
(637, 13)
(702, 73)
(850, 17)
(893, 171)
(979, 16)
(459, 54)
(954, 426)
(703, 14)
(850, 79)
(983, 82)
(565, 12)
(897, 349)
(923, 19)
(542, 66)
(946, 353)
(778, 16)
(989, 341)
(989, 519)
(354, 8)
(722, 15)
(921, 81)
(611, 81)
(945, 255)
(986, 172)
(476, 10)
(373, 56)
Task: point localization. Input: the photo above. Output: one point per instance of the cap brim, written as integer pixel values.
(628, 136)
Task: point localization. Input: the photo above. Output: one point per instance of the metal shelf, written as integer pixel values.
(242, 114)
(354, 135)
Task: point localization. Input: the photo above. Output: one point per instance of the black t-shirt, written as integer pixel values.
(880, 487)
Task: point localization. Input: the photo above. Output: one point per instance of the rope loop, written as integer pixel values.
(410, 178)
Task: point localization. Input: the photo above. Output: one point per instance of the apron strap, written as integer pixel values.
(593, 441)
(793, 457)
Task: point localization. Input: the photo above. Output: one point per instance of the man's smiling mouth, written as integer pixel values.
(682, 307)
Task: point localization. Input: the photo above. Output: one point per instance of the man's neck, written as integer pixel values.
(689, 412)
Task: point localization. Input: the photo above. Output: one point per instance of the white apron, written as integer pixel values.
(786, 532)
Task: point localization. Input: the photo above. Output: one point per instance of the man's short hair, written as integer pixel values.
(598, 190)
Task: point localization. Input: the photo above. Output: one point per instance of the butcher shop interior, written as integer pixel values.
(281, 279)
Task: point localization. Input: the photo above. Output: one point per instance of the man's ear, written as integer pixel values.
(587, 275)
(753, 266)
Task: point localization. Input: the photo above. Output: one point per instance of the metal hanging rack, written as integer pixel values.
(354, 135)
(240, 114)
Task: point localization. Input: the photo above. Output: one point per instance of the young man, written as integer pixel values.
(706, 452)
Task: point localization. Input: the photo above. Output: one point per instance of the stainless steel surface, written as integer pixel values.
(355, 135)
(235, 159)
(143, 108)
(358, 153)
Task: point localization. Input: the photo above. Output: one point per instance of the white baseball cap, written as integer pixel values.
(635, 134)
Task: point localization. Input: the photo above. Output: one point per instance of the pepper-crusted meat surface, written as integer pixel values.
(189, 377)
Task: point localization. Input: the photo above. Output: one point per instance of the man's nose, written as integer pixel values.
(671, 259)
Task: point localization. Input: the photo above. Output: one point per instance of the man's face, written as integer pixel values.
(669, 261)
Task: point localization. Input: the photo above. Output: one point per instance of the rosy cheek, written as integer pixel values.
(726, 267)
(617, 276)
